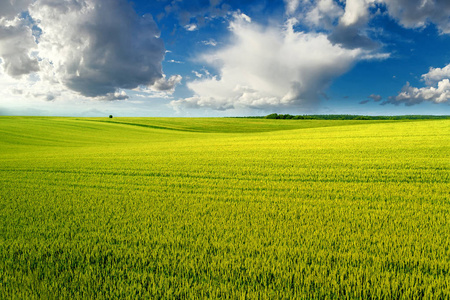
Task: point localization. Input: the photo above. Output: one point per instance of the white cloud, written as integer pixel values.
(436, 74)
(436, 91)
(376, 56)
(16, 45)
(356, 12)
(203, 73)
(31, 90)
(117, 95)
(270, 67)
(324, 14)
(149, 94)
(412, 95)
(191, 27)
(197, 74)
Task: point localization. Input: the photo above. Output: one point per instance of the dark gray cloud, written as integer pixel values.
(96, 47)
(197, 11)
(373, 97)
(351, 32)
(352, 37)
(9, 9)
(418, 13)
(165, 85)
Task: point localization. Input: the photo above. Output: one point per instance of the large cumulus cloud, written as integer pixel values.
(270, 67)
(95, 48)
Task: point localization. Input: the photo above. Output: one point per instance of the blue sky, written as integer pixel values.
(224, 58)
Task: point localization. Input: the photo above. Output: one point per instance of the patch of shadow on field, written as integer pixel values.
(147, 126)
(219, 125)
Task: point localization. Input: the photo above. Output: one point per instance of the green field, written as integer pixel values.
(224, 208)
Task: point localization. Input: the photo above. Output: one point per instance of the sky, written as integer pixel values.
(211, 58)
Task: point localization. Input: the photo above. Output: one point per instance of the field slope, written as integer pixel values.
(224, 208)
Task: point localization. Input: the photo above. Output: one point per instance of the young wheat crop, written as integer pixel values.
(231, 208)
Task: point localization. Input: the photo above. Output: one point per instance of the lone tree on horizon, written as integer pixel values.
(110, 116)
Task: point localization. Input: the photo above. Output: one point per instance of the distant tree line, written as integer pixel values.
(348, 117)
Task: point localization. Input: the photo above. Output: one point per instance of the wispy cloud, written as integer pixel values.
(373, 97)
(203, 73)
(291, 6)
(210, 42)
(376, 98)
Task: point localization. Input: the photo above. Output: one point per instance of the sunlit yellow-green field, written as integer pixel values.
(224, 208)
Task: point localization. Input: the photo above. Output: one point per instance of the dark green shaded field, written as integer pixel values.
(230, 208)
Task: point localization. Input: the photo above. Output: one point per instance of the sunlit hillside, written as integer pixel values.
(232, 208)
